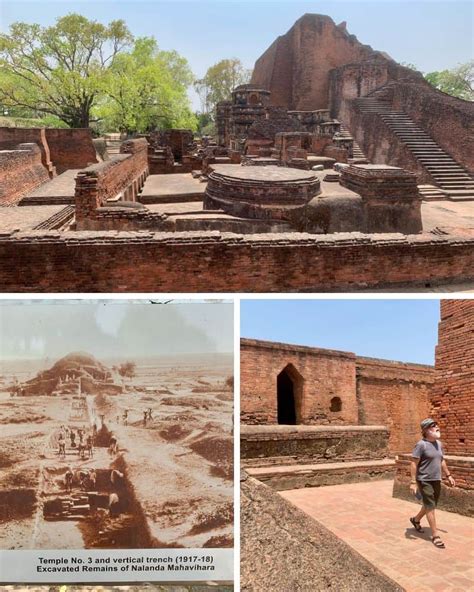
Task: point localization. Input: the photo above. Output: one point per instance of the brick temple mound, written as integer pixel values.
(335, 169)
(326, 441)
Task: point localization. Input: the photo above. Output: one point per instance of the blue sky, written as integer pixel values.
(430, 34)
(404, 330)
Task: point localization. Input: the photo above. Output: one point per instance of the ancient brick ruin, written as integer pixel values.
(451, 405)
(75, 373)
(396, 117)
(334, 169)
(314, 416)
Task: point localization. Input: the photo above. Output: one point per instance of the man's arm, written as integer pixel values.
(413, 466)
(444, 468)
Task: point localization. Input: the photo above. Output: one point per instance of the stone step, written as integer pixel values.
(460, 195)
(296, 476)
(452, 178)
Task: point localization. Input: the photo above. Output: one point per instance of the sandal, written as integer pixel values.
(416, 525)
(437, 542)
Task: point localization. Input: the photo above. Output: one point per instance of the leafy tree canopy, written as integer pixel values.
(458, 82)
(59, 70)
(79, 70)
(219, 82)
(147, 89)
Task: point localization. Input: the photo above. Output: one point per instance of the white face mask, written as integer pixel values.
(434, 433)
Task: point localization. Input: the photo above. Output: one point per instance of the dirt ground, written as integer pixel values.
(177, 466)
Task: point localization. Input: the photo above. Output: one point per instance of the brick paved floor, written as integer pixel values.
(369, 519)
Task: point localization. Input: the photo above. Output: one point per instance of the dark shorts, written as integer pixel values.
(430, 491)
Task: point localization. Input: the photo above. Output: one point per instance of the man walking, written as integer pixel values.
(427, 464)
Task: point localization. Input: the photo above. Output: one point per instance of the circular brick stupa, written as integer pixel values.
(259, 191)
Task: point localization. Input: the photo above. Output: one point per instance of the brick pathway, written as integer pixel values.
(366, 517)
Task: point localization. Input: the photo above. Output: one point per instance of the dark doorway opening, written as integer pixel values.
(286, 399)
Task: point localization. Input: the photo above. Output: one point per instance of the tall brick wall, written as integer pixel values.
(448, 120)
(124, 174)
(71, 148)
(452, 396)
(10, 137)
(394, 394)
(372, 391)
(211, 261)
(295, 68)
(321, 375)
(21, 171)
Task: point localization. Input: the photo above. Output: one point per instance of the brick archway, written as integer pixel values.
(289, 396)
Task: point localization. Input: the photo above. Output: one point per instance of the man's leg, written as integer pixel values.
(420, 514)
(430, 514)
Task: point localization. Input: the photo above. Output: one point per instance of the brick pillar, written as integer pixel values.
(452, 406)
(452, 398)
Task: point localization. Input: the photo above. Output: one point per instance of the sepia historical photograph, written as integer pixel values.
(116, 424)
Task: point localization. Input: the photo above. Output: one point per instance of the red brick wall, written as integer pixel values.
(326, 374)
(373, 392)
(21, 171)
(220, 262)
(448, 120)
(295, 68)
(71, 148)
(452, 396)
(396, 395)
(122, 174)
(10, 137)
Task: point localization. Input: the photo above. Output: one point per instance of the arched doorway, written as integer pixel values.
(289, 396)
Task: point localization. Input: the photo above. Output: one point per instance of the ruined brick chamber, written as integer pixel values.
(452, 406)
(312, 417)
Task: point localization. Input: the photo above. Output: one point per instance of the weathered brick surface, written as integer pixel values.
(372, 392)
(452, 396)
(10, 137)
(394, 394)
(448, 120)
(211, 261)
(390, 197)
(21, 171)
(283, 445)
(124, 174)
(295, 68)
(71, 148)
(320, 375)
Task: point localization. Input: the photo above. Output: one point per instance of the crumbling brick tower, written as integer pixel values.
(452, 399)
(452, 406)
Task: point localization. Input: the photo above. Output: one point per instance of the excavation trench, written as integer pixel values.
(17, 504)
(99, 502)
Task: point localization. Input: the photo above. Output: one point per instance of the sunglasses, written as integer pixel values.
(433, 425)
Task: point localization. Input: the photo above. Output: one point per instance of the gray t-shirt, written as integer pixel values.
(430, 455)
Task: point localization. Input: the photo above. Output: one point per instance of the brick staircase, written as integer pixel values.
(357, 153)
(448, 175)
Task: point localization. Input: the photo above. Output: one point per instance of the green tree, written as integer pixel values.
(147, 89)
(59, 70)
(219, 82)
(458, 82)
